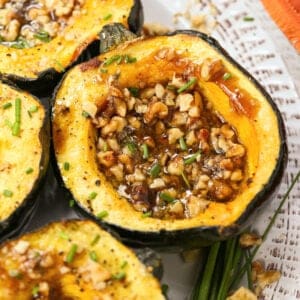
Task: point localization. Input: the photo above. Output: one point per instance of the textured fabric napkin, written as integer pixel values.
(286, 13)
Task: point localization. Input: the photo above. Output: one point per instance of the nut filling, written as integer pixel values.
(166, 150)
(27, 23)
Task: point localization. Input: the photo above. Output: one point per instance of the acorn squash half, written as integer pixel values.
(35, 67)
(24, 154)
(73, 260)
(229, 89)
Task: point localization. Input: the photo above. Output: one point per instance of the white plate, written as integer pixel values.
(264, 51)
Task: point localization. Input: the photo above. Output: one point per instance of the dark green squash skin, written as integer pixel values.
(13, 225)
(190, 238)
(47, 79)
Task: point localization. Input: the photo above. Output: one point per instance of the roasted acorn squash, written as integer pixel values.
(73, 260)
(24, 154)
(231, 91)
(26, 65)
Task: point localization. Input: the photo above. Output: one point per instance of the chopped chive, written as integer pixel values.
(7, 193)
(102, 214)
(29, 171)
(103, 70)
(248, 19)
(191, 158)
(15, 274)
(43, 36)
(134, 91)
(71, 203)
(107, 17)
(166, 197)
(186, 181)
(17, 125)
(66, 166)
(63, 235)
(145, 150)
(33, 108)
(119, 276)
(93, 256)
(20, 44)
(187, 85)
(6, 105)
(124, 264)
(132, 147)
(35, 291)
(71, 254)
(154, 171)
(92, 195)
(227, 76)
(146, 214)
(164, 289)
(111, 60)
(85, 114)
(60, 66)
(129, 59)
(119, 60)
(182, 144)
(29, 114)
(95, 240)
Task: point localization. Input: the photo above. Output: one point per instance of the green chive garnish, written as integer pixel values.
(146, 214)
(15, 274)
(119, 276)
(186, 181)
(154, 171)
(29, 171)
(63, 235)
(103, 70)
(102, 214)
(95, 240)
(60, 66)
(134, 91)
(166, 197)
(182, 144)
(227, 76)
(145, 151)
(92, 195)
(131, 147)
(191, 158)
(66, 166)
(43, 36)
(71, 254)
(187, 85)
(17, 125)
(35, 291)
(111, 60)
(93, 256)
(71, 203)
(129, 59)
(124, 264)
(20, 44)
(6, 105)
(7, 193)
(248, 19)
(107, 17)
(33, 108)
(85, 114)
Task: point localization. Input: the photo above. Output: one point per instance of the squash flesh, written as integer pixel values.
(263, 149)
(19, 154)
(67, 46)
(63, 283)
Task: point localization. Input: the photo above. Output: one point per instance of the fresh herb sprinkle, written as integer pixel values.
(7, 193)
